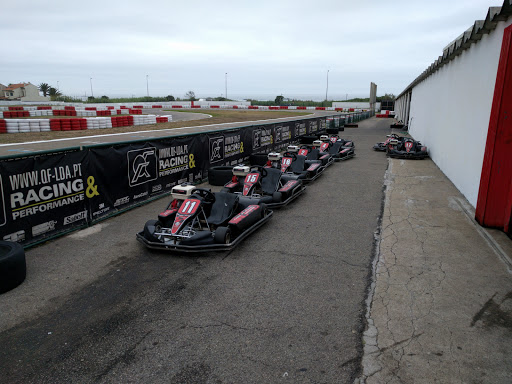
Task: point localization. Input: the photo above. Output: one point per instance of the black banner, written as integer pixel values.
(43, 195)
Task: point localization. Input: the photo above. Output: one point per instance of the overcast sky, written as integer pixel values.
(267, 48)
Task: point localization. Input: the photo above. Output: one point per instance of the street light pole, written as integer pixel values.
(147, 84)
(92, 93)
(226, 85)
(327, 87)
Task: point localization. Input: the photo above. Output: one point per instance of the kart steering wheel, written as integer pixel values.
(290, 154)
(206, 194)
(260, 169)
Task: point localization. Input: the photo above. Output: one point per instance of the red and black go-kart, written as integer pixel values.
(198, 220)
(340, 149)
(406, 148)
(295, 165)
(264, 185)
(317, 151)
(383, 145)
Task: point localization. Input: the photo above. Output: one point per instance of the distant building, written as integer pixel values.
(22, 92)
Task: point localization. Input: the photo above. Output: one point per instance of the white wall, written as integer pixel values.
(355, 105)
(450, 111)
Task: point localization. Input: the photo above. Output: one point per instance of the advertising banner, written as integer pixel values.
(43, 195)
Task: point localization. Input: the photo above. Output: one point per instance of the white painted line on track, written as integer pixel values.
(149, 131)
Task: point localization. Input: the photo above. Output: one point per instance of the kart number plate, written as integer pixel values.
(250, 180)
(187, 209)
(408, 146)
(324, 147)
(285, 163)
(303, 152)
(333, 139)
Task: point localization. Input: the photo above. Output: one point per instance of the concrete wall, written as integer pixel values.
(355, 105)
(450, 110)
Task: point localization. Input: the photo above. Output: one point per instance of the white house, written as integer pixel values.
(23, 92)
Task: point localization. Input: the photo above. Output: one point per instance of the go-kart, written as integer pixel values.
(264, 185)
(298, 166)
(383, 145)
(317, 151)
(198, 220)
(406, 148)
(339, 148)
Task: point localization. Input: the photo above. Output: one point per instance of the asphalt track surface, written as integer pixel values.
(286, 305)
(102, 138)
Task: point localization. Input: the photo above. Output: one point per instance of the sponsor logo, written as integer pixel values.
(43, 228)
(140, 195)
(142, 166)
(216, 149)
(76, 217)
(242, 215)
(156, 188)
(15, 237)
(122, 201)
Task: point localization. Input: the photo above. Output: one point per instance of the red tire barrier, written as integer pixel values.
(283, 107)
(65, 124)
(15, 108)
(235, 106)
(42, 108)
(301, 107)
(195, 106)
(320, 108)
(177, 106)
(351, 109)
(75, 125)
(253, 107)
(138, 107)
(156, 106)
(3, 126)
(214, 106)
(135, 111)
(109, 107)
(67, 108)
(55, 125)
(162, 120)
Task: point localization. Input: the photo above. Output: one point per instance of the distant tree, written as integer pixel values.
(279, 100)
(54, 93)
(388, 96)
(169, 98)
(104, 98)
(45, 88)
(190, 95)
(90, 98)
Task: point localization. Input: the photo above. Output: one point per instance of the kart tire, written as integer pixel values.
(150, 228)
(263, 210)
(219, 175)
(13, 267)
(277, 197)
(222, 235)
(258, 159)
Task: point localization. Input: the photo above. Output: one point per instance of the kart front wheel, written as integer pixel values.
(222, 235)
(150, 228)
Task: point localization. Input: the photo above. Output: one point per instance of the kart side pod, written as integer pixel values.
(246, 218)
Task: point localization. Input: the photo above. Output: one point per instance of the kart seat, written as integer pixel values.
(298, 165)
(270, 183)
(335, 148)
(314, 154)
(223, 208)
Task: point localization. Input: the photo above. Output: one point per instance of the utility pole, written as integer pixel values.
(92, 93)
(327, 87)
(147, 84)
(226, 85)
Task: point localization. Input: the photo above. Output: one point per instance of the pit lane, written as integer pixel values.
(285, 305)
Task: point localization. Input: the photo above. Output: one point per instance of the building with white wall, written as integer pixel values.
(23, 92)
(458, 108)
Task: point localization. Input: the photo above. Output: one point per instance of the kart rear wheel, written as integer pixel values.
(150, 228)
(276, 197)
(222, 235)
